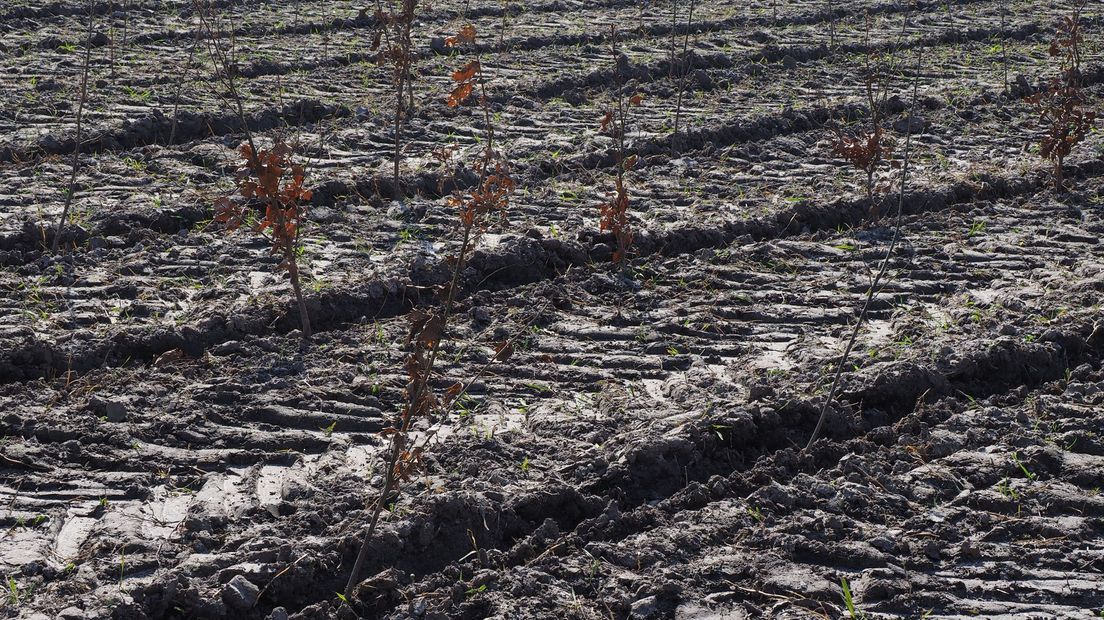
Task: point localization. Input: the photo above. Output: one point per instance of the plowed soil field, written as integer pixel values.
(168, 449)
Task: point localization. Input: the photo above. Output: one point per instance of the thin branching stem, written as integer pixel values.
(180, 87)
(419, 392)
(876, 284)
(686, 65)
(1004, 42)
(225, 71)
(71, 189)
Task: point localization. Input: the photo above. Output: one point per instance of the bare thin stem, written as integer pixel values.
(674, 34)
(875, 285)
(180, 87)
(225, 70)
(72, 188)
(686, 67)
(1004, 42)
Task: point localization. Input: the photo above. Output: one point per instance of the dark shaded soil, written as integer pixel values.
(168, 450)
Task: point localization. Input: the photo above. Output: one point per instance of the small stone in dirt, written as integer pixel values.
(97, 243)
(646, 607)
(292, 490)
(601, 252)
(72, 449)
(240, 593)
(114, 410)
(679, 362)
(190, 436)
(227, 348)
(71, 613)
(574, 96)
(278, 613)
(918, 125)
(437, 46)
(932, 550)
(397, 210)
(324, 215)
(685, 163)
(481, 315)
(704, 80)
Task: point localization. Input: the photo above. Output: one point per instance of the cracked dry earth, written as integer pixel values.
(169, 451)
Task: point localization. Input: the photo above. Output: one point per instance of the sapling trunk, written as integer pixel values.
(622, 248)
(408, 50)
(674, 36)
(399, 437)
(296, 287)
(180, 87)
(398, 135)
(396, 31)
(422, 362)
(71, 189)
(224, 70)
(876, 283)
(111, 38)
(686, 65)
(126, 23)
(1004, 43)
(502, 25)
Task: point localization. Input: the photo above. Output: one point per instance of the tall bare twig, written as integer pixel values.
(428, 330)
(180, 86)
(686, 66)
(287, 229)
(72, 187)
(875, 286)
(1004, 41)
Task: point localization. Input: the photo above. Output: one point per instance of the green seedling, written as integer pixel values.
(1027, 474)
(1004, 487)
(849, 601)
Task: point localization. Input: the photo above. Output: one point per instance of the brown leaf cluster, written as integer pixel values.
(863, 151)
(615, 219)
(614, 213)
(271, 178)
(1063, 107)
(467, 76)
